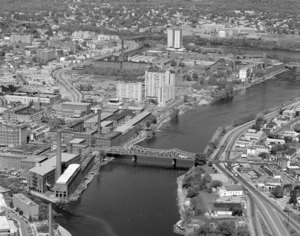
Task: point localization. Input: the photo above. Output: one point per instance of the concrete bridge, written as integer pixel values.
(138, 151)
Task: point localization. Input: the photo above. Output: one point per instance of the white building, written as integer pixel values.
(160, 85)
(231, 190)
(174, 38)
(131, 91)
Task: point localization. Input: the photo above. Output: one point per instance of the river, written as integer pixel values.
(128, 200)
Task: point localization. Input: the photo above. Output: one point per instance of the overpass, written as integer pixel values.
(136, 151)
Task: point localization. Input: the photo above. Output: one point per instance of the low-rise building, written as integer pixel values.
(231, 190)
(223, 209)
(75, 109)
(28, 207)
(37, 98)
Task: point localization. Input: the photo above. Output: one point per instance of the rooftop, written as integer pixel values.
(50, 164)
(234, 187)
(24, 199)
(138, 118)
(94, 119)
(4, 225)
(77, 141)
(68, 173)
(76, 103)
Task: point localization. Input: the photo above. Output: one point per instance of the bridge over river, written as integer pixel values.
(136, 151)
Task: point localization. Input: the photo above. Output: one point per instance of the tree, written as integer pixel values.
(242, 231)
(293, 199)
(277, 192)
(200, 159)
(226, 228)
(237, 212)
(216, 183)
(263, 155)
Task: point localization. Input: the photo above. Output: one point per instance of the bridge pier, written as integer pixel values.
(134, 158)
(174, 161)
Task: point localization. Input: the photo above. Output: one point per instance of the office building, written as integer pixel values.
(174, 38)
(29, 208)
(160, 85)
(12, 134)
(45, 55)
(131, 91)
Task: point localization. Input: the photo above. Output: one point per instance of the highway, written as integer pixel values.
(272, 215)
(62, 78)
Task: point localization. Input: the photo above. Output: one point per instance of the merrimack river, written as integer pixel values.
(140, 200)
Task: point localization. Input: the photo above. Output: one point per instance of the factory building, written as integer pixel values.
(12, 134)
(42, 177)
(69, 181)
(75, 109)
(26, 98)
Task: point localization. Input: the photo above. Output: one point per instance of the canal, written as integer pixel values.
(128, 200)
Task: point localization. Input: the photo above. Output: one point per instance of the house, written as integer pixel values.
(231, 190)
(226, 208)
(270, 141)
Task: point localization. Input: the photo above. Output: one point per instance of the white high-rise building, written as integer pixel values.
(132, 91)
(174, 38)
(160, 85)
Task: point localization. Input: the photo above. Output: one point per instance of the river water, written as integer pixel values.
(128, 200)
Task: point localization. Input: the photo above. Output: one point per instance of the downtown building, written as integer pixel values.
(130, 91)
(174, 38)
(160, 85)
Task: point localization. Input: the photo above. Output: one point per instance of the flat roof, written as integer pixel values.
(4, 225)
(77, 141)
(76, 103)
(94, 119)
(50, 164)
(124, 128)
(2, 201)
(35, 159)
(26, 200)
(138, 118)
(68, 173)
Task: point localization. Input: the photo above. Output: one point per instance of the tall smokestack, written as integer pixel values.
(58, 155)
(99, 121)
(50, 219)
(122, 54)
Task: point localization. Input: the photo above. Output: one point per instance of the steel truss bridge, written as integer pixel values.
(136, 150)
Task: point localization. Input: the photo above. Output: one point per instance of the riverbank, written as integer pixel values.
(89, 177)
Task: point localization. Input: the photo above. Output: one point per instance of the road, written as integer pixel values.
(62, 77)
(272, 215)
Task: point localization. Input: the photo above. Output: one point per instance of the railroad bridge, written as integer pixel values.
(136, 151)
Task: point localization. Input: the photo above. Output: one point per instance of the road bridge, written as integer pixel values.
(136, 151)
